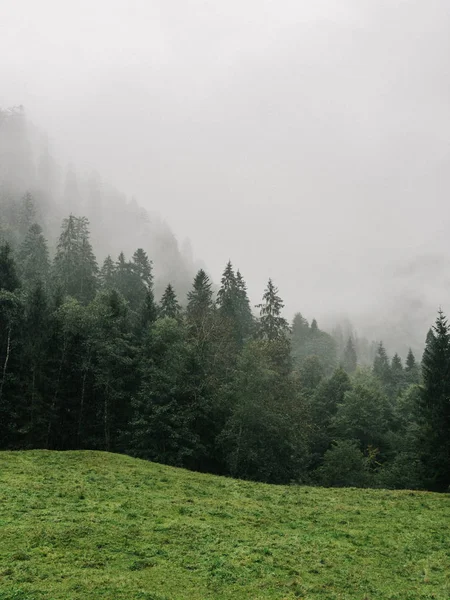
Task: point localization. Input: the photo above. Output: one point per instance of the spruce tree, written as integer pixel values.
(200, 304)
(107, 273)
(381, 367)
(272, 325)
(169, 306)
(227, 296)
(33, 257)
(350, 359)
(435, 405)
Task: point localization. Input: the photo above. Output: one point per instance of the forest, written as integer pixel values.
(97, 354)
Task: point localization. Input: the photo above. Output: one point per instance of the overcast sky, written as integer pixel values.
(306, 140)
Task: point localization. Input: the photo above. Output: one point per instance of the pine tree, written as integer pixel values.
(397, 376)
(75, 267)
(272, 324)
(410, 361)
(350, 359)
(200, 304)
(244, 312)
(169, 306)
(227, 296)
(435, 405)
(142, 266)
(107, 273)
(381, 367)
(411, 368)
(32, 257)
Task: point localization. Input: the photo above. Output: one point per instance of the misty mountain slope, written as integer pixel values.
(116, 224)
(79, 525)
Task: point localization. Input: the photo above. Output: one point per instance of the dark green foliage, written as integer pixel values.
(200, 303)
(89, 360)
(169, 306)
(75, 267)
(164, 409)
(33, 258)
(9, 280)
(271, 324)
(381, 367)
(364, 414)
(265, 435)
(107, 274)
(435, 405)
(344, 465)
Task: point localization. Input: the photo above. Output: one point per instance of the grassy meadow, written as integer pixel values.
(92, 525)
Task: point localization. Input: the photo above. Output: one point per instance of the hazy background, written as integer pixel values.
(306, 141)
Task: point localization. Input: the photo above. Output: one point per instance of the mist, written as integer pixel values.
(308, 142)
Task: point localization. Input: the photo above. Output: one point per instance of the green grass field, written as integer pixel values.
(91, 525)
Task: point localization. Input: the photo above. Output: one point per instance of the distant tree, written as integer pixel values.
(397, 376)
(364, 414)
(107, 273)
(33, 258)
(27, 213)
(200, 303)
(272, 324)
(381, 367)
(169, 306)
(227, 296)
(244, 311)
(75, 266)
(350, 359)
(412, 371)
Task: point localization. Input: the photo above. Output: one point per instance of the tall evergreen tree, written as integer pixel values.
(200, 303)
(350, 359)
(435, 405)
(381, 367)
(33, 257)
(169, 306)
(272, 324)
(75, 266)
(107, 273)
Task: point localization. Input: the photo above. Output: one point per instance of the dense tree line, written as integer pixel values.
(89, 359)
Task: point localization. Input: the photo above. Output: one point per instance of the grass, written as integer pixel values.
(92, 525)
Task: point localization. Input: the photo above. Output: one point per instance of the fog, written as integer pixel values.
(305, 141)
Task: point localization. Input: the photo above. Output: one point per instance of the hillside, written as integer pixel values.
(87, 525)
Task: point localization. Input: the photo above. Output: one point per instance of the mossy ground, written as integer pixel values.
(91, 525)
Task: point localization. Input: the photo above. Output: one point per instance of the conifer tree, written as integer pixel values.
(75, 266)
(169, 306)
(142, 266)
(381, 367)
(107, 273)
(349, 360)
(200, 302)
(33, 257)
(245, 316)
(435, 405)
(411, 368)
(227, 296)
(272, 324)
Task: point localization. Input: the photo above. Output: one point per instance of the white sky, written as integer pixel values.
(307, 141)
